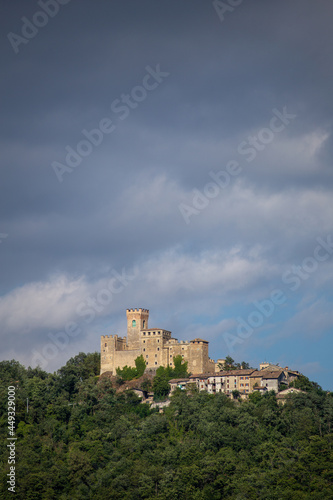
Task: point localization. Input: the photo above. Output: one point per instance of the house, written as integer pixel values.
(178, 383)
(270, 379)
(224, 381)
(282, 396)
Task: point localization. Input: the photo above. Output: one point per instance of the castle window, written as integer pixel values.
(146, 355)
(144, 333)
(154, 333)
(148, 333)
(143, 323)
(155, 355)
(146, 362)
(155, 362)
(144, 341)
(158, 340)
(133, 322)
(144, 349)
(158, 348)
(105, 345)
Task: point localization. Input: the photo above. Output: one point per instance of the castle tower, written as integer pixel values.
(137, 320)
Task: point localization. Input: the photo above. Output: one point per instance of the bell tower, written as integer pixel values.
(137, 320)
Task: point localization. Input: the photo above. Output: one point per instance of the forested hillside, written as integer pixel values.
(82, 440)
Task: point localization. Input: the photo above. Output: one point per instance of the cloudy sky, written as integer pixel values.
(175, 156)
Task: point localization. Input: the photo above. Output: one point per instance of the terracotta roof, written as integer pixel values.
(176, 380)
(230, 373)
(267, 374)
(236, 372)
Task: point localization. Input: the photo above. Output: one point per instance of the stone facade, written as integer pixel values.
(155, 344)
(245, 381)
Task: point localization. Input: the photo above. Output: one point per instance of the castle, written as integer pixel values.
(156, 346)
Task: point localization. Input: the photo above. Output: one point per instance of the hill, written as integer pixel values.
(80, 438)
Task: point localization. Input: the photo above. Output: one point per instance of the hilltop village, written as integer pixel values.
(159, 348)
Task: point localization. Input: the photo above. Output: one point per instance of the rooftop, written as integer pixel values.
(154, 329)
(267, 374)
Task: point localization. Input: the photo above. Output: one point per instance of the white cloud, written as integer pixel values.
(206, 272)
(48, 304)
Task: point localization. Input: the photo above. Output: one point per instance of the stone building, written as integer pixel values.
(156, 345)
(224, 381)
(271, 379)
(245, 381)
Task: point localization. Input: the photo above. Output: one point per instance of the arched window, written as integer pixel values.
(133, 322)
(143, 324)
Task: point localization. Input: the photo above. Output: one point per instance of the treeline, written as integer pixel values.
(80, 439)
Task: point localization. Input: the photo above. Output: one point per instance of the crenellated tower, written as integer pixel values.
(137, 320)
(156, 346)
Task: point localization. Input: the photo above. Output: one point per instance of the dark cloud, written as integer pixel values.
(120, 206)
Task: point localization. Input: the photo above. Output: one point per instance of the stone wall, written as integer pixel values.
(156, 346)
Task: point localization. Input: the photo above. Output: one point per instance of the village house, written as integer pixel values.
(282, 396)
(244, 381)
(272, 380)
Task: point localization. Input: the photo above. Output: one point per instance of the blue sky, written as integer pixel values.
(175, 156)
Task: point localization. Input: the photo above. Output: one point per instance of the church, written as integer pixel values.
(156, 345)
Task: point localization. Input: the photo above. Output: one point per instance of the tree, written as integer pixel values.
(303, 383)
(235, 394)
(146, 385)
(129, 372)
(180, 369)
(228, 364)
(161, 387)
(140, 365)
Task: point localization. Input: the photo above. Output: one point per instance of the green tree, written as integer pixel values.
(161, 386)
(235, 394)
(180, 369)
(140, 365)
(228, 364)
(129, 372)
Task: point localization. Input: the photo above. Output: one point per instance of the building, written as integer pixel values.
(283, 396)
(178, 383)
(244, 381)
(272, 380)
(156, 345)
(224, 381)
